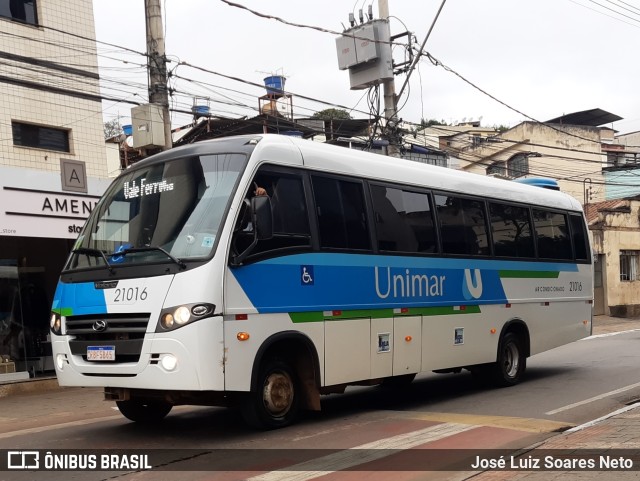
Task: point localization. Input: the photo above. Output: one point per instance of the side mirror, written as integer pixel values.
(262, 217)
(262, 220)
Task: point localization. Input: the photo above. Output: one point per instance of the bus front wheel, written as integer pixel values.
(511, 362)
(144, 412)
(274, 404)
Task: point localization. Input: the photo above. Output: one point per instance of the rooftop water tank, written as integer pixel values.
(200, 111)
(274, 84)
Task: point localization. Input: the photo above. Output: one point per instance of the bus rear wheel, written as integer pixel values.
(144, 412)
(511, 362)
(275, 403)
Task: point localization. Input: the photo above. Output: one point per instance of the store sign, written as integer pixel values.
(29, 207)
(73, 175)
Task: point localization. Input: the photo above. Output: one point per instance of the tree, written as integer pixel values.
(332, 114)
(431, 122)
(112, 128)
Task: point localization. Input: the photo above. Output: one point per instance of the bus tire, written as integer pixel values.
(511, 362)
(275, 402)
(144, 412)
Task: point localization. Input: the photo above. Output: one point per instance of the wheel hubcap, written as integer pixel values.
(511, 360)
(278, 393)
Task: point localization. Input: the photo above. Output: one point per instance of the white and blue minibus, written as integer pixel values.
(263, 271)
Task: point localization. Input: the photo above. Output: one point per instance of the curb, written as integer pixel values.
(27, 387)
(601, 419)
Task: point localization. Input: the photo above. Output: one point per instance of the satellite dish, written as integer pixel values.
(129, 141)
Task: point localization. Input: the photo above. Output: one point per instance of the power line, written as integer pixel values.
(421, 50)
(300, 96)
(605, 14)
(615, 11)
(300, 25)
(247, 82)
(437, 62)
(632, 6)
(624, 8)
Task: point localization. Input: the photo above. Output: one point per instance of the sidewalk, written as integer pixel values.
(613, 436)
(617, 431)
(608, 324)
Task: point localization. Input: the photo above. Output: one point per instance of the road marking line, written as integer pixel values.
(366, 453)
(595, 398)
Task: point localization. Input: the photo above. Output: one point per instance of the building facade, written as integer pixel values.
(614, 227)
(571, 154)
(53, 164)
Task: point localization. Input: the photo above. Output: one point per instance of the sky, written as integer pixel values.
(542, 58)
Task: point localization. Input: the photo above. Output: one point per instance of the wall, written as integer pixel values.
(571, 154)
(629, 180)
(50, 79)
(113, 159)
(612, 232)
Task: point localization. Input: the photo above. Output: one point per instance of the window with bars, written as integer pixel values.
(629, 265)
(518, 165)
(499, 168)
(40, 137)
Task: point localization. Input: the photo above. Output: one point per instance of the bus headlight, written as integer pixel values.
(175, 317)
(182, 315)
(56, 324)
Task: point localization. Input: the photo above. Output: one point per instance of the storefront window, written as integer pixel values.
(12, 345)
(29, 270)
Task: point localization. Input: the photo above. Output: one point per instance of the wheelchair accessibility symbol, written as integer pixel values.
(306, 275)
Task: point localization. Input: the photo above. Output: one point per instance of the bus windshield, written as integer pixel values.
(162, 212)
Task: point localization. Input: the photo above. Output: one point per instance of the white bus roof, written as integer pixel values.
(340, 160)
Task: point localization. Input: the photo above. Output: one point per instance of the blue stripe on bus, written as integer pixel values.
(79, 299)
(307, 282)
(419, 262)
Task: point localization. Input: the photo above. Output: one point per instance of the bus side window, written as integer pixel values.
(404, 220)
(552, 235)
(511, 230)
(290, 217)
(580, 238)
(462, 225)
(342, 218)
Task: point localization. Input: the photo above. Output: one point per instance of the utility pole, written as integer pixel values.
(157, 65)
(390, 98)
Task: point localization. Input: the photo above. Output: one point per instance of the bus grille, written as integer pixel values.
(124, 331)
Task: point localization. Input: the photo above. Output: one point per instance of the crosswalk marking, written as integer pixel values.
(364, 453)
(530, 425)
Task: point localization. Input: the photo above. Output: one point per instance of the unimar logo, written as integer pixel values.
(472, 284)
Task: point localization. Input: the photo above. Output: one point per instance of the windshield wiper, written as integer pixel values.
(95, 253)
(152, 248)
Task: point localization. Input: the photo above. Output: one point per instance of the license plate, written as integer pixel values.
(101, 353)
